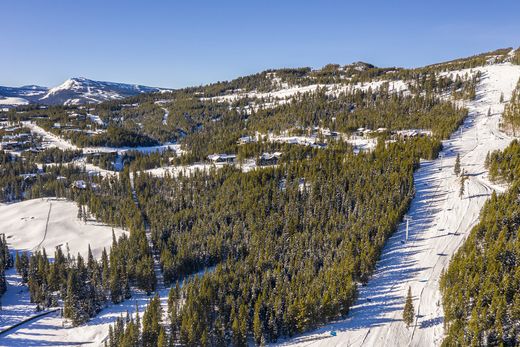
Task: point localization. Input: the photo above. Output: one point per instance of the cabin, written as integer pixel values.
(411, 133)
(330, 133)
(269, 159)
(222, 158)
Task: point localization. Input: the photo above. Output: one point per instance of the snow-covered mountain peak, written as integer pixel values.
(73, 91)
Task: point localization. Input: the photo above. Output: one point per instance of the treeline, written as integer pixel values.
(53, 155)
(504, 165)
(86, 286)
(481, 287)
(115, 136)
(496, 56)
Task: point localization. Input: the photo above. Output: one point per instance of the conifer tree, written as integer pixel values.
(257, 321)
(462, 180)
(456, 168)
(151, 323)
(408, 311)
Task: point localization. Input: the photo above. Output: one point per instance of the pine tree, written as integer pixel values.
(162, 340)
(257, 321)
(456, 169)
(151, 323)
(85, 215)
(408, 311)
(105, 270)
(463, 179)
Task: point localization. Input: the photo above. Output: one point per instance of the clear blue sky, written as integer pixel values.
(182, 43)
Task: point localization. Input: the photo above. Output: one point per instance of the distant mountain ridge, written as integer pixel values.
(74, 91)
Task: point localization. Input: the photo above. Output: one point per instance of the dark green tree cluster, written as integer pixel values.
(504, 165)
(511, 116)
(481, 287)
(85, 286)
(6, 262)
(433, 82)
(516, 57)
(12, 180)
(53, 155)
(137, 332)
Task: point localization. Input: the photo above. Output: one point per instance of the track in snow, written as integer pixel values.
(439, 226)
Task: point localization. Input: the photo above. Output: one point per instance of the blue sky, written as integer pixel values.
(176, 44)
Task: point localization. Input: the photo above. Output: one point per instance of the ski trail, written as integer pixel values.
(46, 228)
(440, 223)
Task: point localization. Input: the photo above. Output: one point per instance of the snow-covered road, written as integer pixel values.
(440, 223)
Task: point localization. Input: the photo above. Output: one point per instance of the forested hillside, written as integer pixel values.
(283, 246)
(481, 287)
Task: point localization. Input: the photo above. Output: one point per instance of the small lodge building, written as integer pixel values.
(269, 159)
(222, 158)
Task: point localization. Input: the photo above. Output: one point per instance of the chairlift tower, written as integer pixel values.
(407, 219)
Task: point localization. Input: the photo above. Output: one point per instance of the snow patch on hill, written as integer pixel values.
(13, 101)
(285, 95)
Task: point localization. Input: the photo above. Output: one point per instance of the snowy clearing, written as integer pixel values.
(47, 223)
(441, 220)
(44, 223)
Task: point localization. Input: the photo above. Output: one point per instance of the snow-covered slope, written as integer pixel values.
(440, 222)
(47, 223)
(15, 96)
(44, 223)
(73, 91)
